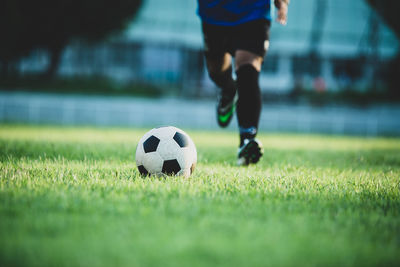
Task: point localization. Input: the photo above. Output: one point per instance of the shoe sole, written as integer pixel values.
(250, 154)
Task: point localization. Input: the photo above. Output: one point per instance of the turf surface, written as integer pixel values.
(73, 197)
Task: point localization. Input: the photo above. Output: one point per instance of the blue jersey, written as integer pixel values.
(233, 12)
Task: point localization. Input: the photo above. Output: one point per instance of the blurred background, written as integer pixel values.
(335, 67)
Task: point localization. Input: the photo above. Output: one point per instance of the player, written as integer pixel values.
(239, 29)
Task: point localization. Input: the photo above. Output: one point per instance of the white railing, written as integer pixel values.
(140, 112)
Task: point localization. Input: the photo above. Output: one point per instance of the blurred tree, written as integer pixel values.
(13, 31)
(388, 9)
(52, 24)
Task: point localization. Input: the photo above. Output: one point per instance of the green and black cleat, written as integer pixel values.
(225, 109)
(250, 152)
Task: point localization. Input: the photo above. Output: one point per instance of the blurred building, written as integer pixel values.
(326, 45)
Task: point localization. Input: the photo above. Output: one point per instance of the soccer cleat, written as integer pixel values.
(225, 109)
(250, 152)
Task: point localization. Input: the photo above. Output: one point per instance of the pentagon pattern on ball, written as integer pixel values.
(150, 145)
(143, 170)
(171, 167)
(181, 139)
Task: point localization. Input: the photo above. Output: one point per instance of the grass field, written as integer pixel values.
(73, 197)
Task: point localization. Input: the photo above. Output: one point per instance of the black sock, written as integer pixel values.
(249, 104)
(247, 133)
(225, 82)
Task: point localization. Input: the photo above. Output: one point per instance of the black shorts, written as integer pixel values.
(250, 36)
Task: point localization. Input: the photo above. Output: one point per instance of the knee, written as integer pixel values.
(244, 58)
(255, 63)
(220, 76)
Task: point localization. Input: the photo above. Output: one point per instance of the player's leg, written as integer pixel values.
(248, 66)
(251, 46)
(219, 66)
(220, 72)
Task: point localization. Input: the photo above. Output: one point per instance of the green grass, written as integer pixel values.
(73, 197)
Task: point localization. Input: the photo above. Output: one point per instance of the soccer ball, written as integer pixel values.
(166, 151)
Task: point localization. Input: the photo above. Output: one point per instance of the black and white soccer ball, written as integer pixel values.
(166, 151)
